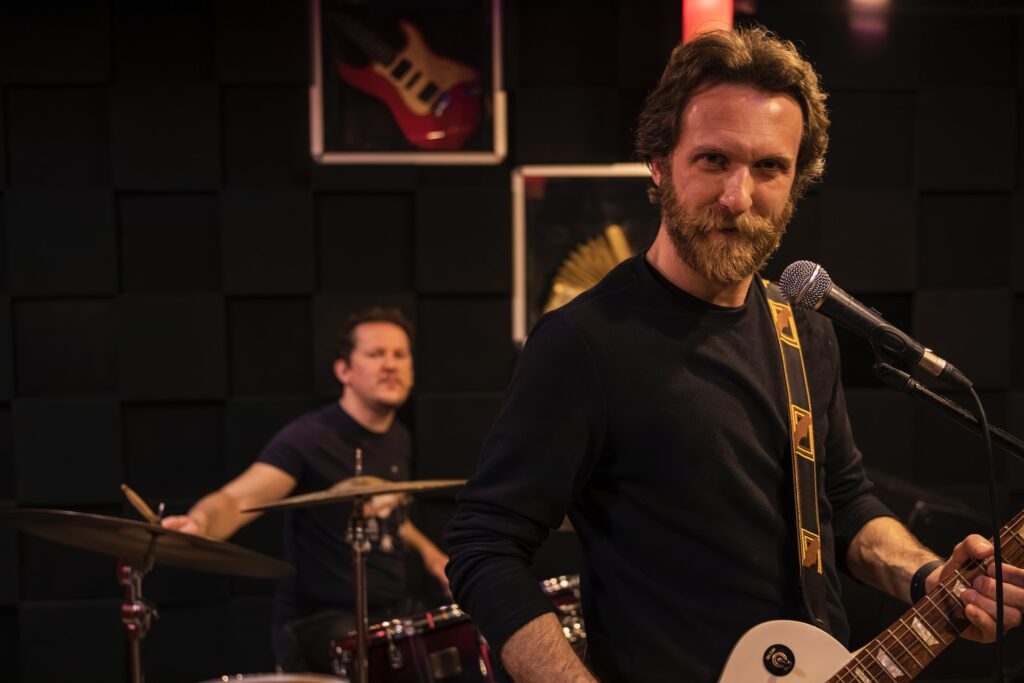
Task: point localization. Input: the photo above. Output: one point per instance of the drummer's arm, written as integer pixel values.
(433, 558)
(219, 514)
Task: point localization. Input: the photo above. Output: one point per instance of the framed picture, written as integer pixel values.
(571, 225)
(407, 83)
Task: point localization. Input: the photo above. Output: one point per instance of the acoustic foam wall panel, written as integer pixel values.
(464, 344)
(262, 42)
(802, 240)
(871, 140)
(6, 454)
(570, 124)
(91, 640)
(171, 347)
(249, 425)
(365, 241)
(547, 59)
(270, 346)
(9, 564)
(52, 571)
(883, 427)
(165, 136)
(63, 42)
(974, 50)
(165, 43)
(869, 242)
(450, 432)
(962, 138)
(169, 242)
(52, 147)
(65, 347)
(61, 242)
(267, 241)
(6, 346)
(463, 241)
(266, 137)
(175, 450)
(67, 451)
(964, 240)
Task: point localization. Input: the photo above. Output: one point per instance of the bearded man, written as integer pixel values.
(652, 410)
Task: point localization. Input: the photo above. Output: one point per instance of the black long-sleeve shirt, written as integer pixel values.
(657, 422)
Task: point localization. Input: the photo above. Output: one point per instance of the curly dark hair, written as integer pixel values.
(747, 56)
(374, 314)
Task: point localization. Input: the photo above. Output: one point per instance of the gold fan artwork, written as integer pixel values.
(587, 264)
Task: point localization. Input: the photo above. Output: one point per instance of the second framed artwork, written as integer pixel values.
(407, 83)
(571, 225)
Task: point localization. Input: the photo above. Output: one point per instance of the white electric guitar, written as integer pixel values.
(784, 651)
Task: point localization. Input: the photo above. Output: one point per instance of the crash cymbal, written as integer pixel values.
(130, 539)
(347, 489)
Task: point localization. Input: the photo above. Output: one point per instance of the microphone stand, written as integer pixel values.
(901, 381)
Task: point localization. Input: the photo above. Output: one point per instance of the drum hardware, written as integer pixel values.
(139, 546)
(358, 489)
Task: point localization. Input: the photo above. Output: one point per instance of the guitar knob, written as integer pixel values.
(779, 660)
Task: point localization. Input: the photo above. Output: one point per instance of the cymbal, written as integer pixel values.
(130, 539)
(364, 485)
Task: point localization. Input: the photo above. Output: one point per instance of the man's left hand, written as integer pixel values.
(980, 600)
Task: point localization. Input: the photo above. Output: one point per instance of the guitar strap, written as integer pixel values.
(801, 439)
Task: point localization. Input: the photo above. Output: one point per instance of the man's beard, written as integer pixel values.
(721, 261)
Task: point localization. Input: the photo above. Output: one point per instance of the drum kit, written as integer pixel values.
(438, 645)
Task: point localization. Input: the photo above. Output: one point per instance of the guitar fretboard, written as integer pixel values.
(366, 39)
(903, 650)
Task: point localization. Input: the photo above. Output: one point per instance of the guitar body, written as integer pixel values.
(435, 101)
(816, 655)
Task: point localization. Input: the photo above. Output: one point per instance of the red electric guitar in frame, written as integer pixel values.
(435, 101)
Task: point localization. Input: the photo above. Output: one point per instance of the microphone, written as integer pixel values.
(805, 284)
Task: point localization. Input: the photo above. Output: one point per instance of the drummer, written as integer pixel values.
(313, 452)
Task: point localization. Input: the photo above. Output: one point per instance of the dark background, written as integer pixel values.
(175, 266)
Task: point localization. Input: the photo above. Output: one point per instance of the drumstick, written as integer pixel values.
(140, 504)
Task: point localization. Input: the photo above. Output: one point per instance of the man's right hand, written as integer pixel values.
(191, 523)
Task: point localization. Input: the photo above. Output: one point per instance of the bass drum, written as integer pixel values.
(275, 678)
(441, 645)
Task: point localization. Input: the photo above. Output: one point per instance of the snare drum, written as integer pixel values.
(275, 678)
(439, 645)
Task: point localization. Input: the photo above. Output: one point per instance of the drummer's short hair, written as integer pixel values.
(373, 314)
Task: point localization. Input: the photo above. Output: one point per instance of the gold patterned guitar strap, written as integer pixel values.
(801, 439)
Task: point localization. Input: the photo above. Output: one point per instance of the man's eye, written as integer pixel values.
(713, 159)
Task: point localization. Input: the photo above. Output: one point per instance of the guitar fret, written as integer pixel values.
(923, 633)
(939, 608)
(889, 664)
(906, 649)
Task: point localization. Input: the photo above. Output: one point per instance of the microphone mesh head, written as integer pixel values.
(804, 283)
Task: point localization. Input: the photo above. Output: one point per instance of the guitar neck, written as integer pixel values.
(367, 41)
(903, 650)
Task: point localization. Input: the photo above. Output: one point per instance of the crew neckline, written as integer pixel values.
(680, 295)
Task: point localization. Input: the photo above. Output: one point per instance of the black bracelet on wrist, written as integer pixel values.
(917, 582)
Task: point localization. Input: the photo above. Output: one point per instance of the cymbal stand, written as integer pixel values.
(360, 536)
(137, 613)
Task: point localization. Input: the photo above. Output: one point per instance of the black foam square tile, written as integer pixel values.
(248, 646)
(170, 43)
(173, 451)
(54, 571)
(266, 137)
(646, 33)
(267, 239)
(9, 560)
(61, 242)
(6, 347)
(330, 312)
(265, 535)
(171, 586)
(262, 42)
(551, 56)
(802, 240)
(205, 623)
(965, 240)
(271, 349)
(1017, 343)
(867, 128)
(171, 347)
(5, 284)
(883, 428)
(250, 423)
(6, 455)
(464, 344)
(946, 453)
(566, 125)
(871, 239)
(89, 635)
(64, 42)
(1017, 240)
(969, 328)
(450, 432)
(65, 348)
(67, 451)
(365, 241)
(165, 137)
(169, 242)
(962, 138)
(368, 179)
(966, 49)
(465, 249)
(50, 148)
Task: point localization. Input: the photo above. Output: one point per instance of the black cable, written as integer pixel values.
(996, 540)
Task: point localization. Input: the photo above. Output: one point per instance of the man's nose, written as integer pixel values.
(736, 194)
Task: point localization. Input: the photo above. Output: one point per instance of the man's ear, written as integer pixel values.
(656, 171)
(341, 370)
